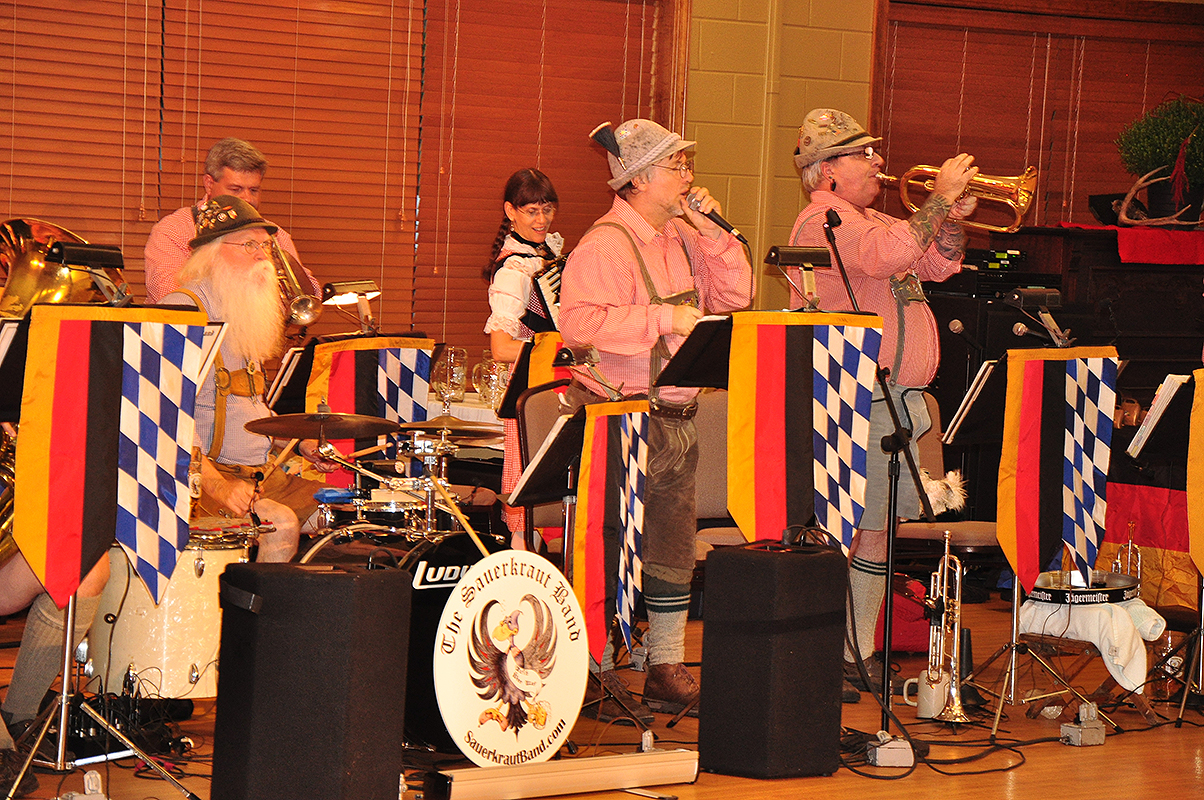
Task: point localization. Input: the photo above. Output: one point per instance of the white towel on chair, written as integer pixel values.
(1150, 624)
(1110, 627)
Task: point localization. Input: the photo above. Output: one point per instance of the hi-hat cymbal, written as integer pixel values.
(314, 426)
(456, 428)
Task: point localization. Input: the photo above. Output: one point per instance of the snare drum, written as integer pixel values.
(172, 646)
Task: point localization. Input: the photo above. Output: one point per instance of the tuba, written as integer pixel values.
(1016, 192)
(34, 274)
(300, 307)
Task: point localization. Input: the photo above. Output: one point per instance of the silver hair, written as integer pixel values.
(812, 174)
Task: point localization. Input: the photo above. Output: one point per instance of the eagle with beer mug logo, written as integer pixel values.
(511, 660)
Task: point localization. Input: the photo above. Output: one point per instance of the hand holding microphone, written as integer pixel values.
(701, 202)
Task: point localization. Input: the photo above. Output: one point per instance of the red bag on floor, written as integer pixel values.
(909, 633)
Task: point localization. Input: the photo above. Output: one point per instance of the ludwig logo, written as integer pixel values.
(510, 660)
(440, 576)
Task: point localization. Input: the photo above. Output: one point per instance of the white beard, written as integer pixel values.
(248, 301)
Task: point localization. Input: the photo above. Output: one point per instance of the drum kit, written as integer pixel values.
(173, 646)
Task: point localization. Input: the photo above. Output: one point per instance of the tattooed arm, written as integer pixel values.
(936, 220)
(929, 221)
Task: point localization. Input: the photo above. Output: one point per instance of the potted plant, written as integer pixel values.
(1168, 138)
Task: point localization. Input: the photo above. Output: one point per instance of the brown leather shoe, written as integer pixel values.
(606, 709)
(669, 688)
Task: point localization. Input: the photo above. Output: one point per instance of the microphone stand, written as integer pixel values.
(893, 443)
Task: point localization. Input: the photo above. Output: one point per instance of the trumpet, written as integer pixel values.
(300, 307)
(1016, 192)
(945, 632)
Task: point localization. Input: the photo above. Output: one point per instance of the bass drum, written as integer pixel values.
(436, 569)
(171, 647)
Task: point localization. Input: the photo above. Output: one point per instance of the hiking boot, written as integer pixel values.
(669, 688)
(10, 765)
(605, 709)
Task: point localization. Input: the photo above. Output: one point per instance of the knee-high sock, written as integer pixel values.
(867, 580)
(668, 605)
(40, 658)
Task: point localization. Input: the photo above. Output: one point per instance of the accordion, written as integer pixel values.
(545, 291)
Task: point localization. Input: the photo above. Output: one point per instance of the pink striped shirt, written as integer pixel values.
(874, 247)
(604, 302)
(167, 250)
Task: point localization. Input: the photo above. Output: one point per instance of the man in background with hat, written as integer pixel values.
(886, 259)
(233, 167)
(634, 287)
(231, 278)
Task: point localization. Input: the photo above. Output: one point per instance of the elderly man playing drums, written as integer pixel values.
(230, 276)
(886, 259)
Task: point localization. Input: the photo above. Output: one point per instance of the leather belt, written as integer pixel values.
(660, 408)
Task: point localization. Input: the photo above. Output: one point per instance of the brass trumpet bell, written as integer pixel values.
(1016, 192)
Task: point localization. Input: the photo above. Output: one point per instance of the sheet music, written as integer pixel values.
(8, 331)
(288, 363)
(1162, 398)
(980, 380)
(560, 422)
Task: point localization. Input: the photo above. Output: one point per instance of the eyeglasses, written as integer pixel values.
(867, 151)
(684, 168)
(532, 211)
(252, 247)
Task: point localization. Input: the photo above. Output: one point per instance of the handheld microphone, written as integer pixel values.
(957, 328)
(714, 217)
(1020, 329)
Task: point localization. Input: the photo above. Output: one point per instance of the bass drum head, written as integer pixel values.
(436, 570)
(511, 660)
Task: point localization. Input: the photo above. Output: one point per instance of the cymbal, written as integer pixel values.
(314, 426)
(456, 428)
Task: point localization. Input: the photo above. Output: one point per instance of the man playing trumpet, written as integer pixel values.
(886, 259)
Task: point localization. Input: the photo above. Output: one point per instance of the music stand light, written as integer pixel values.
(357, 293)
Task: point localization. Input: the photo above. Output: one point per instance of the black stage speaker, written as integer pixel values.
(772, 650)
(311, 690)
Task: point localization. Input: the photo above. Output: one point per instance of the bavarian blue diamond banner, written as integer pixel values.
(633, 452)
(799, 388)
(158, 398)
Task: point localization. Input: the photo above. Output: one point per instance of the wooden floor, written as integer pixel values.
(1144, 762)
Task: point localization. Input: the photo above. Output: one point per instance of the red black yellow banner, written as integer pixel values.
(65, 512)
(597, 533)
(1030, 499)
(770, 427)
(345, 376)
(1195, 475)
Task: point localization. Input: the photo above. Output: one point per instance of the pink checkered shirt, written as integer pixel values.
(604, 302)
(874, 247)
(167, 250)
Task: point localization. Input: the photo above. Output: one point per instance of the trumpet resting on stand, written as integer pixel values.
(944, 603)
(1016, 192)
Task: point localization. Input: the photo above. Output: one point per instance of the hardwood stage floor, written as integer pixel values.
(1144, 762)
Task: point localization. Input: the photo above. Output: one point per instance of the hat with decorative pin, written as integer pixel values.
(225, 214)
(826, 133)
(634, 146)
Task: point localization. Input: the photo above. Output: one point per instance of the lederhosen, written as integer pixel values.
(278, 485)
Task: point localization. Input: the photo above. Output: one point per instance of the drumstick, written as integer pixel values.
(455, 509)
(276, 462)
(368, 450)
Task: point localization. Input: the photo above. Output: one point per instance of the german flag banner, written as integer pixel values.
(1195, 474)
(1057, 440)
(106, 434)
(799, 393)
(379, 376)
(610, 514)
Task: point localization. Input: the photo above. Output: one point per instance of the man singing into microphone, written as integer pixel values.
(886, 259)
(634, 287)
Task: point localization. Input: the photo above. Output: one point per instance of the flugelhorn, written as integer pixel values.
(300, 307)
(1015, 191)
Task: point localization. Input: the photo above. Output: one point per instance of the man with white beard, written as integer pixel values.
(231, 278)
